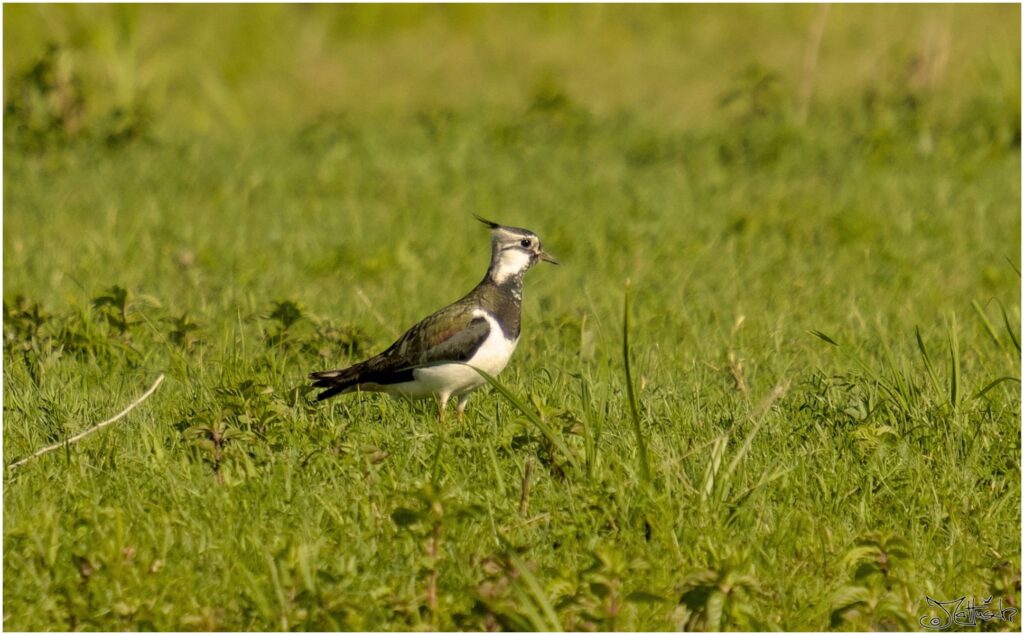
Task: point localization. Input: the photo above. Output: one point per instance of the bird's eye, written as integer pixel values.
(525, 242)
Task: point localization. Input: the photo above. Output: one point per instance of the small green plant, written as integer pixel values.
(721, 598)
(606, 589)
(435, 506)
(114, 306)
(47, 106)
(334, 342)
(45, 102)
(510, 597)
(880, 594)
(183, 331)
(240, 431)
(284, 315)
(23, 322)
(222, 445)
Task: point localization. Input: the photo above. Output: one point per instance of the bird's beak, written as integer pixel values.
(546, 257)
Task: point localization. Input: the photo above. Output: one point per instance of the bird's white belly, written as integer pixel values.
(459, 378)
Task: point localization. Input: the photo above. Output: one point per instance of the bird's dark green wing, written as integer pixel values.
(451, 335)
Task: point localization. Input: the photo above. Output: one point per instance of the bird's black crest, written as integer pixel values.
(506, 228)
(489, 223)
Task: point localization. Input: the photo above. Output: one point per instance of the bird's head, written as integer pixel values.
(513, 250)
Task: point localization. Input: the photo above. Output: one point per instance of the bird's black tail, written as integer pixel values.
(335, 381)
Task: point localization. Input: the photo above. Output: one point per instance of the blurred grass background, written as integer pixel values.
(224, 69)
(237, 195)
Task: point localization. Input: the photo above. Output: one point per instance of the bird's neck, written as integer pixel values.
(501, 294)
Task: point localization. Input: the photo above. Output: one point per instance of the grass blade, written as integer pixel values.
(993, 384)
(537, 594)
(821, 336)
(589, 438)
(900, 386)
(758, 417)
(645, 472)
(954, 364)
(1009, 328)
(927, 361)
(1013, 266)
(555, 439)
(498, 478)
(765, 480)
(713, 466)
(984, 321)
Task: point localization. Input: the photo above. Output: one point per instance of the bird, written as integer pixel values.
(439, 356)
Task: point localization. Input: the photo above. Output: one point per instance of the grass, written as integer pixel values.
(814, 424)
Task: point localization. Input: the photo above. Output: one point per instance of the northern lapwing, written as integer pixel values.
(438, 357)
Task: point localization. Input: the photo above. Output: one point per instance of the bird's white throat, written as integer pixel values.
(511, 262)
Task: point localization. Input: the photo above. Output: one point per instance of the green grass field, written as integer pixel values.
(818, 213)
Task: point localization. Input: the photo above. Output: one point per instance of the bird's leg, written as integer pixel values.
(460, 408)
(442, 402)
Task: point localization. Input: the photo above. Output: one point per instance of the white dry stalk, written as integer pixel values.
(373, 310)
(81, 435)
(811, 62)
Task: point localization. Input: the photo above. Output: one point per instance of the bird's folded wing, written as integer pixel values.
(446, 336)
(451, 335)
